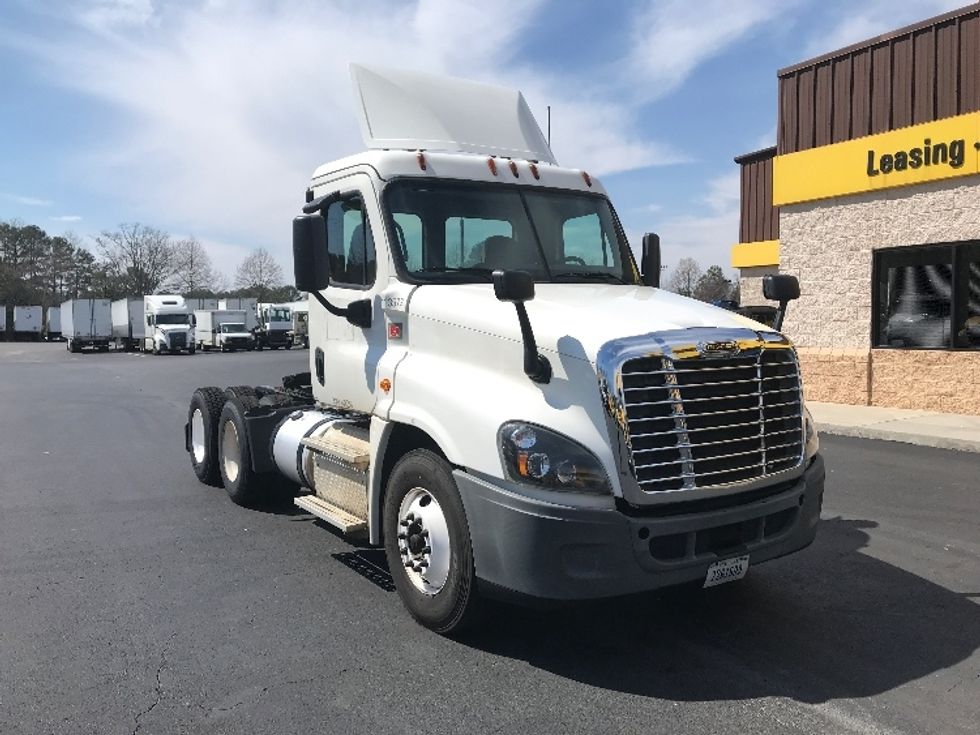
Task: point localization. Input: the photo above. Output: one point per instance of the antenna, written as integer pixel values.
(549, 126)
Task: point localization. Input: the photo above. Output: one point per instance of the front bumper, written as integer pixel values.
(529, 547)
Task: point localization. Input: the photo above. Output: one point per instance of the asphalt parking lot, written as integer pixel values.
(133, 599)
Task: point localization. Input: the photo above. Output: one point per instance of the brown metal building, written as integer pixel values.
(871, 197)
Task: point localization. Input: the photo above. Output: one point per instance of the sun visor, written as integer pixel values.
(410, 110)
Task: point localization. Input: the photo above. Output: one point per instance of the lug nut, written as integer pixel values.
(404, 522)
(426, 550)
(409, 563)
(402, 536)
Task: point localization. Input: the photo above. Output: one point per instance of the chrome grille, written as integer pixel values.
(703, 422)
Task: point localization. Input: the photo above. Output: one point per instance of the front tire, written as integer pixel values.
(202, 418)
(427, 543)
(235, 460)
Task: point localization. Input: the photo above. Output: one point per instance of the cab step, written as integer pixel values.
(348, 523)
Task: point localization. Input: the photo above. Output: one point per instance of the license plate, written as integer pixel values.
(726, 570)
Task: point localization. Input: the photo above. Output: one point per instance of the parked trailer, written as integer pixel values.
(3, 322)
(169, 326)
(87, 323)
(222, 330)
(201, 304)
(300, 312)
(28, 323)
(52, 324)
(128, 327)
(582, 447)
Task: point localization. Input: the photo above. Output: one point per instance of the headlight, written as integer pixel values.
(812, 440)
(536, 456)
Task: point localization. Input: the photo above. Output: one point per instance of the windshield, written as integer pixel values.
(279, 315)
(453, 232)
(228, 328)
(172, 319)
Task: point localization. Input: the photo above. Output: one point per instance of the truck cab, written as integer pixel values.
(275, 326)
(169, 325)
(498, 394)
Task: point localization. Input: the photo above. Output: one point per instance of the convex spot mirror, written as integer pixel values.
(780, 288)
(513, 286)
(311, 266)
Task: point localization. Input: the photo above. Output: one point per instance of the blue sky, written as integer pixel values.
(206, 118)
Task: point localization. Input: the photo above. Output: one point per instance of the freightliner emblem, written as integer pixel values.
(718, 349)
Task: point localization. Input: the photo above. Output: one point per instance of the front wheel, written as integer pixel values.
(427, 543)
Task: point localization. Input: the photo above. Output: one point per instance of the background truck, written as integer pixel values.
(128, 323)
(3, 322)
(248, 305)
(275, 326)
(606, 438)
(222, 330)
(87, 323)
(52, 324)
(300, 312)
(27, 323)
(201, 304)
(168, 326)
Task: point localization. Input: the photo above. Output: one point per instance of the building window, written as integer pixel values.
(928, 297)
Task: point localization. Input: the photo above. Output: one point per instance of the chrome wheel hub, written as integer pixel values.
(231, 453)
(197, 435)
(423, 541)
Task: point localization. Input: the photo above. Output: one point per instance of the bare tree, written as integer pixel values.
(684, 278)
(259, 272)
(141, 257)
(193, 270)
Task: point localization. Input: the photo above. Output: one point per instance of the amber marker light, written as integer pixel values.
(513, 169)
(385, 385)
(492, 165)
(420, 157)
(534, 171)
(587, 179)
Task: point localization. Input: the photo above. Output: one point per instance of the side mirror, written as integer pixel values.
(311, 265)
(782, 288)
(650, 263)
(513, 286)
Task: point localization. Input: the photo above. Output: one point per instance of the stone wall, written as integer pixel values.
(750, 285)
(828, 245)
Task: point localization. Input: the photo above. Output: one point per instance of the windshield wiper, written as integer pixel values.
(587, 275)
(484, 272)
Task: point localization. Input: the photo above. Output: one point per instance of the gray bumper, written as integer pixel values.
(539, 549)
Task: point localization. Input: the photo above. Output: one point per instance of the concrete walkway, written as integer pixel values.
(927, 428)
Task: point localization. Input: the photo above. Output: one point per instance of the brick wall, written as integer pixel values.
(835, 375)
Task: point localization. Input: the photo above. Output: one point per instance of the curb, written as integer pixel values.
(882, 434)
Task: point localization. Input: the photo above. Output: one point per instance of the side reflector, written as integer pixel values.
(385, 385)
(394, 330)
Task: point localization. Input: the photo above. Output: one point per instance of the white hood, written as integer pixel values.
(570, 318)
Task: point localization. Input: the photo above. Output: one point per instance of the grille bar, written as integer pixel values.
(681, 425)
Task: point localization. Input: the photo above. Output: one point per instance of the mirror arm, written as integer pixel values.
(358, 319)
(777, 322)
(321, 202)
(536, 365)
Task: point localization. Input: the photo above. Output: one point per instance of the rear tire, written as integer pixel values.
(202, 417)
(235, 460)
(422, 501)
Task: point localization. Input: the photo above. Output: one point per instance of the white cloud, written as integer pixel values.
(225, 108)
(859, 22)
(27, 201)
(671, 38)
(66, 218)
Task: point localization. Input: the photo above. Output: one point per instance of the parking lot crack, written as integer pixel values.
(157, 690)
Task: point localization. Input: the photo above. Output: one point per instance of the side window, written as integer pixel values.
(408, 234)
(350, 244)
(465, 238)
(584, 241)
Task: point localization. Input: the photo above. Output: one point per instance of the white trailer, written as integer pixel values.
(128, 326)
(87, 323)
(608, 438)
(3, 322)
(222, 330)
(169, 327)
(28, 323)
(249, 305)
(52, 324)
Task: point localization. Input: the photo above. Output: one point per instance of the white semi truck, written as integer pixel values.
(168, 326)
(497, 394)
(87, 323)
(275, 326)
(222, 330)
(299, 311)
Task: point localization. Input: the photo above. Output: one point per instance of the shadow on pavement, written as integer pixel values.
(831, 623)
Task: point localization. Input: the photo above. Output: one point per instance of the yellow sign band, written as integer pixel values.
(752, 254)
(942, 149)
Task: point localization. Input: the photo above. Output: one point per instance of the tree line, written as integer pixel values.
(688, 279)
(132, 260)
